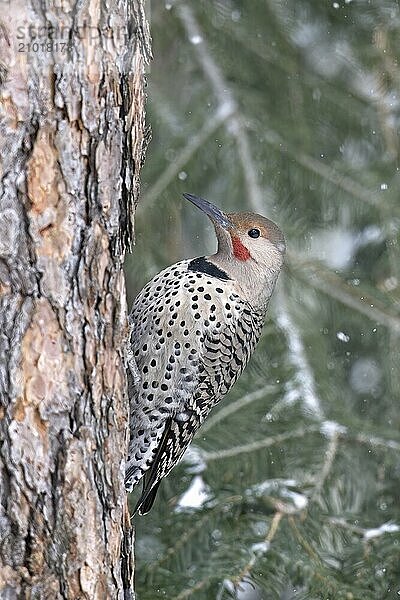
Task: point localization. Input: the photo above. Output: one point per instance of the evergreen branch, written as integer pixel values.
(280, 404)
(330, 456)
(213, 123)
(260, 444)
(343, 524)
(302, 541)
(180, 542)
(246, 571)
(223, 93)
(367, 533)
(300, 432)
(330, 174)
(188, 534)
(373, 441)
(229, 409)
(274, 527)
(304, 377)
(332, 285)
(186, 593)
(291, 66)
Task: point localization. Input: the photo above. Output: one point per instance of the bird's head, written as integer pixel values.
(244, 238)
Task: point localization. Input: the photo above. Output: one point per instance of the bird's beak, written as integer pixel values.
(215, 214)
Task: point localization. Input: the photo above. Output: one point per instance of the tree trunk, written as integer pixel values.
(72, 143)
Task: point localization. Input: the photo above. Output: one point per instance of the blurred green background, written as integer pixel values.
(291, 109)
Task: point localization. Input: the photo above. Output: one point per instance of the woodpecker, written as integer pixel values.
(193, 329)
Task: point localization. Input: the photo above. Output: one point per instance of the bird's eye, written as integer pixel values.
(254, 233)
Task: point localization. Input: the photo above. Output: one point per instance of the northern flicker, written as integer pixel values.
(193, 329)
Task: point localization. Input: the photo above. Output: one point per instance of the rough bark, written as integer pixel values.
(72, 142)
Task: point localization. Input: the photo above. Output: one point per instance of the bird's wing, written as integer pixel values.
(226, 352)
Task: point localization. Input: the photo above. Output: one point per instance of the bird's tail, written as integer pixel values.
(146, 499)
(176, 437)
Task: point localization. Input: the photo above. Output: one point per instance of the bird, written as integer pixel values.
(193, 328)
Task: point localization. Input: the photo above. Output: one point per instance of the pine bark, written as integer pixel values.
(72, 142)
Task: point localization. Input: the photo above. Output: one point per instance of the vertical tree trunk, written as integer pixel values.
(72, 142)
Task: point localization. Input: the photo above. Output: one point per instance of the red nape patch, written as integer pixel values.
(239, 250)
